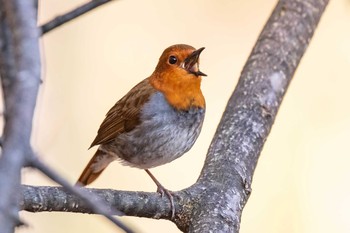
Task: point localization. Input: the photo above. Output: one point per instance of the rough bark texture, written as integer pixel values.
(46, 198)
(215, 202)
(250, 113)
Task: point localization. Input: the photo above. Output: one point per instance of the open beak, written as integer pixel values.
(191, 63)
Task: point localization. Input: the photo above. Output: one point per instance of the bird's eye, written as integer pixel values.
(172, 60)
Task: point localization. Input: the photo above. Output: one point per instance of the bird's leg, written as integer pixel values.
(162, 190)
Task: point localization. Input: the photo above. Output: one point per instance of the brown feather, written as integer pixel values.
(181, 89)
(89, 175)
(125, 114)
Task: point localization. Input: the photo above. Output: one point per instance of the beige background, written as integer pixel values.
(301, 183)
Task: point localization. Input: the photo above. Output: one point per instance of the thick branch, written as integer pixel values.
(59, 20)
(250, 113)
(20, 77)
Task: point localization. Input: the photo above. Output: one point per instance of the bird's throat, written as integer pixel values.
(181, 93)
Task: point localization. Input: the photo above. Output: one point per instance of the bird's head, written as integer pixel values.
(177, 75)
(181, 60)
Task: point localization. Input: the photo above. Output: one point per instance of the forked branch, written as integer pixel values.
(215, 202)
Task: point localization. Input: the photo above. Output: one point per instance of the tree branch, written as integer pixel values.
(59, 20)
(216, 201)
(141, 204)
(250, 113)
(20, 75)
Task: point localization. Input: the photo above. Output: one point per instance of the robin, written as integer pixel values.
(156, 122)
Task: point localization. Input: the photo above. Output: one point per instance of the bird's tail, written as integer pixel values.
(95, 167)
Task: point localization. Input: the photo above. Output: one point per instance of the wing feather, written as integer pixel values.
(125, 114)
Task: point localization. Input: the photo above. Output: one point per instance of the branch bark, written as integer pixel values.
(250, 113)
(145, 204)
(215, 202)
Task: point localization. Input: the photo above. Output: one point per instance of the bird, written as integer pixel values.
(156, 122)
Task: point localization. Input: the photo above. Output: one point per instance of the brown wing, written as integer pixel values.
(125, 114)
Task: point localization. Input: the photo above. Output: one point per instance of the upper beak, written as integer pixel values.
(191, 63)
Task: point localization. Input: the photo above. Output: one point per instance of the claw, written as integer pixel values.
(161, 190)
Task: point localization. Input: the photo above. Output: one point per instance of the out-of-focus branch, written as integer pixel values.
(216, 201)
(59, 20)
(20, 75)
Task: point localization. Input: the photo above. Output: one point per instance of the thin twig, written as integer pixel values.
(93, 202)
(59, 20)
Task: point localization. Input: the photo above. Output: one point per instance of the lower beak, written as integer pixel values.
(191, 63)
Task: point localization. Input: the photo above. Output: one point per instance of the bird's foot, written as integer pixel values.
(161, 190)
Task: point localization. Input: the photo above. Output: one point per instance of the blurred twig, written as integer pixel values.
(59, 20)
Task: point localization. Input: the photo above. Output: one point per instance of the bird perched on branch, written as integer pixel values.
(157, 121)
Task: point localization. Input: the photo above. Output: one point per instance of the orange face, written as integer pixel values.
(178, 77)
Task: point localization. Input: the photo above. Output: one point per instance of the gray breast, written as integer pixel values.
(164, 134)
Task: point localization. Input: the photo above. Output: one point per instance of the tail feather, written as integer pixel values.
(94, 168)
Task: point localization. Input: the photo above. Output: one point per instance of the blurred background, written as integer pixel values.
(301, 183)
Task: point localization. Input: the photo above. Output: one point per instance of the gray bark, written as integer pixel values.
(250, 113)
